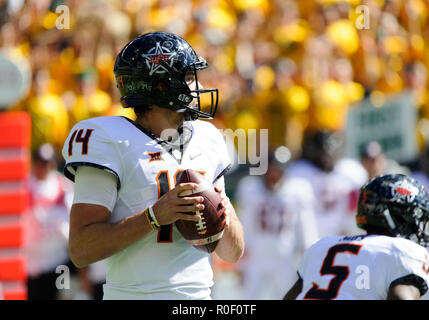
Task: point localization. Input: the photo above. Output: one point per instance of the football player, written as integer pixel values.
(278, 216)
(335, 180)
(389, 262)
(126, 201)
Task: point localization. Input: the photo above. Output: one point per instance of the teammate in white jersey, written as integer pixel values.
(390, 262)
(335, 181)
(125, 172)
(278, 216)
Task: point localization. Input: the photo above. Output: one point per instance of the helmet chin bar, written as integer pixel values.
(196, 94)
(214, 95)
(190, 116)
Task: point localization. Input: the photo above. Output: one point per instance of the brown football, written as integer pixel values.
(205, 233)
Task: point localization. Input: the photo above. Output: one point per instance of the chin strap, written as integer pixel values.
(190, 116)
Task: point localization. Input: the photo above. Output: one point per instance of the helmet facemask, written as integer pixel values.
(411, 222)
(194, 110)
(422, 233)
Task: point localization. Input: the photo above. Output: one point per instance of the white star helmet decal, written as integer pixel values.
(157, 57)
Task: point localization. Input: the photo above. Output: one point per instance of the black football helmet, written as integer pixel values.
(395, 203)
(152, 69)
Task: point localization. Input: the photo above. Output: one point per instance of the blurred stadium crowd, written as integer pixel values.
(287, 65)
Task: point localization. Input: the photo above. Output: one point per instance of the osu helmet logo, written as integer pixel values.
(404, 190)
(159, 59)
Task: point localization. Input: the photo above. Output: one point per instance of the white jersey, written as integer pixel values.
(361, 267)
(278, 226)
(162, 265)
(336, 193)
(276, 220)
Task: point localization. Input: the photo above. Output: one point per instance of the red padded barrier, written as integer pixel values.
(13, 268)
(17, 291)
(11, 234)
(15, 128)
(14, 169)
(14, 201)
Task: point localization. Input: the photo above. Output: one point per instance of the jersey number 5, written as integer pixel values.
(79, 137)
(328, 268)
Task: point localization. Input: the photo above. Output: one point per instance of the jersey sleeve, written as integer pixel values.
(88, 144)
(94, 186)
(412, 268)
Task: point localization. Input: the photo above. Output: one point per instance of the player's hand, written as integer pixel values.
(170, 206)
(227, 205)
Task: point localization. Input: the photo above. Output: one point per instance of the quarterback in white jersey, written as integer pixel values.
(390, 262)
(126, 201)
(278, 216)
